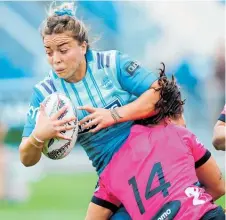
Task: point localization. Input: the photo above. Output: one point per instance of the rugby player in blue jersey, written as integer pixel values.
(112, 89)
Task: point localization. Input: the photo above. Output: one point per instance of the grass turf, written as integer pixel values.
(57, 197)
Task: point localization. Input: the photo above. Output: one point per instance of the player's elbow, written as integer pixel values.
(27, 163)
(222, 190)
(219, 191)
(216, 192)
(27, 159)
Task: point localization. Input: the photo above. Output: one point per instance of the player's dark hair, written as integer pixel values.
(170, 103)
(62, 19)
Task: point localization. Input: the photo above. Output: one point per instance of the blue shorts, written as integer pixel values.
(214, 214)
(121, 214)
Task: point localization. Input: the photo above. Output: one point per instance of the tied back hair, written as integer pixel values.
(62, 19)
(66, 8)
(170, 103)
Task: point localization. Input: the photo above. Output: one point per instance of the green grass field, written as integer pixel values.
(56, 197)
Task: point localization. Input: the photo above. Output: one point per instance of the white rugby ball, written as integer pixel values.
(57, 148)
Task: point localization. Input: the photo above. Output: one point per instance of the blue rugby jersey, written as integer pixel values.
(112, 80)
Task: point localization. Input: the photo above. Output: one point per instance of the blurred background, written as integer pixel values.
(188, 36)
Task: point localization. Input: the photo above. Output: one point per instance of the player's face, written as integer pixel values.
(65, 55)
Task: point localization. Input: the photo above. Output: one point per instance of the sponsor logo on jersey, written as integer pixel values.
(165, 214)
(168, 211)
(198, 141)
(131, 67)
(116, 103)
(197, 194)
(107, 83)
(32, 112)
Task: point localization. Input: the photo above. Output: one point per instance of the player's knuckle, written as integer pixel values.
(54, 123)
(67, 120)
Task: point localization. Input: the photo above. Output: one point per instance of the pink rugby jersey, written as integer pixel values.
(153, 175)
(222, 115)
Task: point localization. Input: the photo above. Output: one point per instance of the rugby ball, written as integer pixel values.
(57, 148)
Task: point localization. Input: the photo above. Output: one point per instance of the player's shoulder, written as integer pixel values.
(44, 87)
(43, 80)
(103, 58)
(137, 128)
(184, 133)
(180, 129)
(105, 52)
(139, 133)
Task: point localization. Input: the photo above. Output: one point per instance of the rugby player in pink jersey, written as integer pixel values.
(156, 173)
(219, 132)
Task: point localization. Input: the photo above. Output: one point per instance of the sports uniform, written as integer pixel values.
(153, 175)
(112, 80)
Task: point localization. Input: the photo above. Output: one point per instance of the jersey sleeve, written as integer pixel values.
(199, 152)
(132, 76)
(36, 99)
(222, 115)
(104, 198)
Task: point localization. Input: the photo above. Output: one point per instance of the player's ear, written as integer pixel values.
(182, 121)
(84, 47)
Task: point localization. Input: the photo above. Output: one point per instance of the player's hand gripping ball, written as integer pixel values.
(57, 148)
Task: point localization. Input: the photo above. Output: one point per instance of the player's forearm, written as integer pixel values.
(219, 138)
(29, 154)
(210, 176)
(142, 107)
(216, 192)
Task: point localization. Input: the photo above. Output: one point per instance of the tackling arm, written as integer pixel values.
(211, 177)
(142, 107)
(96, 212)
(140, 82)
(207, 170)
